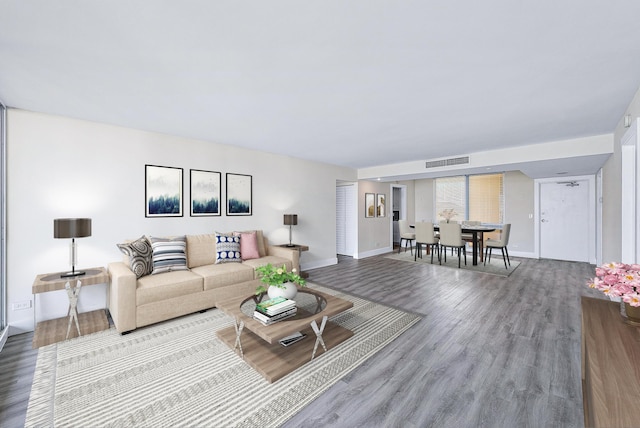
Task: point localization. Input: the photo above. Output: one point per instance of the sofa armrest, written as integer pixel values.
(122, 296)
(286, 253)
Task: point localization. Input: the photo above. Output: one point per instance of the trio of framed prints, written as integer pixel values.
(374, 205)
(164, 198)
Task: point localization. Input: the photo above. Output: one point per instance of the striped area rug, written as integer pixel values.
(178, 373)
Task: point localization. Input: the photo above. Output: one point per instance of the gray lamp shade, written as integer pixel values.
(290, 219)
(71, 227)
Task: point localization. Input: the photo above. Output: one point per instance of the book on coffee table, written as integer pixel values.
(270, 319)
(275, 306)
(291, 339)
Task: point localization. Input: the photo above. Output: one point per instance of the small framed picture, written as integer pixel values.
(205, 193)
(381, 201)
(163, 191)
(239, 194)
(369, 205)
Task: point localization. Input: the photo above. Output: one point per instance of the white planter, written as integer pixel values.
(288, 292)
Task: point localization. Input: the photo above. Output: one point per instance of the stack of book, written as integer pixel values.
(274, 310)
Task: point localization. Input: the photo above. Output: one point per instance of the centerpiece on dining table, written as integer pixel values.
(620, 281)
(277, 281)
(448, 214)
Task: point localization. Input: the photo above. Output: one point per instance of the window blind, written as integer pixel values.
(472, 197)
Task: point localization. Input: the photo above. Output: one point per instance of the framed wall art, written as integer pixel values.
(369, 205)
(239, 194)
(205, 193)
(163, 191)
(381, 201)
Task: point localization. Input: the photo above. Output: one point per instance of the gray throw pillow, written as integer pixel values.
(139, 253)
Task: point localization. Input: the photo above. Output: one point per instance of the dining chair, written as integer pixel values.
(468, 237)
(451, 237)
(425, 236)
(406, 235)
(499, 243)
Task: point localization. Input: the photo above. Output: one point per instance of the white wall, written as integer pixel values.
(62, 167)
(375, 233)
(611, 190)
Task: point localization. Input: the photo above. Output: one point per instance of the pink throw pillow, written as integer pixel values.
(248, 245)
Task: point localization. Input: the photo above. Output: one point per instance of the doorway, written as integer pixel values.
(399, 207)
(566, 219)
(4, 331)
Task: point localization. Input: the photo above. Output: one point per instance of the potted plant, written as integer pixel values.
(620, 281)
(278, 282)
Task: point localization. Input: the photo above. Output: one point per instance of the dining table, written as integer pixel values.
(475, 231)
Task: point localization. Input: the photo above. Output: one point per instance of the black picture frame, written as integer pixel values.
(205, 193)
(239, 194)
(163, 191)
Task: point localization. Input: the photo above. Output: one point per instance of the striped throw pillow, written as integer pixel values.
(169, 254)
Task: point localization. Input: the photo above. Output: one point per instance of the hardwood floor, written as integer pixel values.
(17, 364)
(489, 351)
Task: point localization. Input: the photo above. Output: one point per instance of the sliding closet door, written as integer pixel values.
(345, 220)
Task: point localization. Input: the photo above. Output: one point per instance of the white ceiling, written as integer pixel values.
(357, 83)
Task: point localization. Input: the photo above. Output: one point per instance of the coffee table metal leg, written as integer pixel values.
(318, 332)
(239, 325)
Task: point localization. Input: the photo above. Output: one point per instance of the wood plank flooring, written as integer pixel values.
(489, 352)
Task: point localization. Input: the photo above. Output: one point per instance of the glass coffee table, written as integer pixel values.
(259, 345)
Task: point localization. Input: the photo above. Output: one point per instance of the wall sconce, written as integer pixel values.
(290, 220)
(627, 121)
(72, 228)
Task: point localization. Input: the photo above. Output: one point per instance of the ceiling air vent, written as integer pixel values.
(448, 162)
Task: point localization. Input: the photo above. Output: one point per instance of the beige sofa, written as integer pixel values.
(137, 302)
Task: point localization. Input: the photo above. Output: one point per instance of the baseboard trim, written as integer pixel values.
(319, 264)
(372, 253)
(522, 254)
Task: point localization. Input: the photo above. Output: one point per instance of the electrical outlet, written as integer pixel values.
(17, 306)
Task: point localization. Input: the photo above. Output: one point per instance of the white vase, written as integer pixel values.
(288, 292)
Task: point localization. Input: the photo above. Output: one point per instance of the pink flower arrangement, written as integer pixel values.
(618, 280)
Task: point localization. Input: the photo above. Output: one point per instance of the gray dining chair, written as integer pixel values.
(425, 236)
(406, 235)
(451, 237)
(499, 243)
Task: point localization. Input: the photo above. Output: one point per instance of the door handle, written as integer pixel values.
(544, 221)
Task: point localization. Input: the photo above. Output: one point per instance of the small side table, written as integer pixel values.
(300, 249)
(59, 329)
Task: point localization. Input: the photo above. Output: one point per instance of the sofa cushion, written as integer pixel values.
(227, 248)
(248, 245)
(274, 260)
(156, 288)
(222, 275)
(201, 250)
(140, 256)
(169, 254)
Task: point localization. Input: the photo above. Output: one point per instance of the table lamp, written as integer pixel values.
(290, 220)
(72, 228)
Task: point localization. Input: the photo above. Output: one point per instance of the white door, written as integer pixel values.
(346, 220)
(565, 220)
